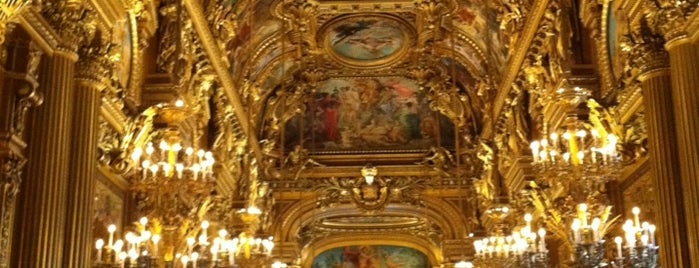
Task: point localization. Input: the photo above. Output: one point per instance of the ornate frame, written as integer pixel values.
(408, 36)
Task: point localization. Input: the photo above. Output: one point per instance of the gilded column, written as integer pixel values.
(40, 225)
(670, 19)
(684, 73)
(91, 78)
(41, 213)
(17, 94)
(655, 82)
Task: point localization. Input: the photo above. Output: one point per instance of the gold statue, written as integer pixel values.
(299, 160)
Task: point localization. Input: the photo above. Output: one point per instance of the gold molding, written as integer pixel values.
(40, 30)
(216, 59)
(516, 60)
(408, 35)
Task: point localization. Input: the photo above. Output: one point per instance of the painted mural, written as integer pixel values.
(366, 113)
(366, 39)
(108, 208)
(371, 257)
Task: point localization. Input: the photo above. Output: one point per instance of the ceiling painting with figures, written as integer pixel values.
(367, 113)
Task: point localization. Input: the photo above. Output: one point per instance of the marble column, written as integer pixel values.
(684, 73)
(17, 94)
(40, 224)
(90, 79)
(663, 157)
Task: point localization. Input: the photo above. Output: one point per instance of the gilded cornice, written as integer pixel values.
(108, 13)
(40, 30)
(517, 58)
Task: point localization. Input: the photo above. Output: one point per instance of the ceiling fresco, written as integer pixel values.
(368, 113)
(362, 41)
(379, 256)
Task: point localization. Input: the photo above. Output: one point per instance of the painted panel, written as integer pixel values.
(108, 208)
(366, 39)
(367, 113)
(371, 257)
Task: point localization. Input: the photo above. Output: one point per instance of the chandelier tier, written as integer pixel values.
(169, 159)
(144, 249)
(523, 248)
(641, 249)
(576, 149)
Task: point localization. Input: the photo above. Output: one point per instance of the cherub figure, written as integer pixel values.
(438, 159)
(299, 160)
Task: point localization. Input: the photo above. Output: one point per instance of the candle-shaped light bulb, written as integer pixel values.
(184, 260)
(528, 219)
(205, 225)
(575, 226)
(145, 236)
(535, 150)
(99, 244)
(111, 229)
(136, 155)
(222, 233)
(651, 230)
(596, 222)
(617, 240)
(163, 146)
(583, 214)
(155, 238)
(636, 221)
(149, 149)
(644, 239)
(118, 245)
(143, 221)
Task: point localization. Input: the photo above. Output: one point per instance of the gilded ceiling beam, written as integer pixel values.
(196, 13)
(516, 60)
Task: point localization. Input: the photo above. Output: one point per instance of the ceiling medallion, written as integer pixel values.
(367, 40)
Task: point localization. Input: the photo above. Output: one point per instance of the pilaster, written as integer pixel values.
(655, 83)
(17, 95)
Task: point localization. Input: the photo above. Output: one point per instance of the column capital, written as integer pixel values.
(96, 64)
(669, 18)
(74, 22)
(646, 52)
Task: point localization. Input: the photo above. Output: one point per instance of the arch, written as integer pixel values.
(298, 214)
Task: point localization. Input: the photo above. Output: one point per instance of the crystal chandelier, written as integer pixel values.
(173, 178)
(143, 249)
(576, 149)
(523, 248)
(588, 239)
(640, 246)
(170, 159)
